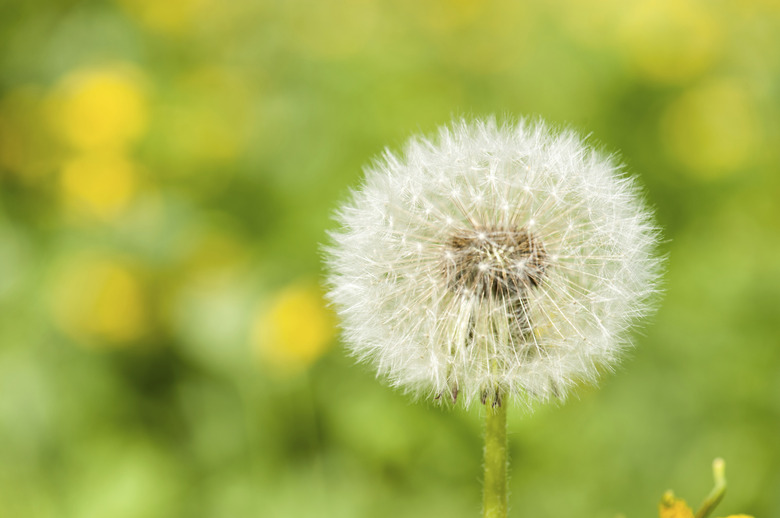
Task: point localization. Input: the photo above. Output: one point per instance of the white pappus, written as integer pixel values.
(496, 259)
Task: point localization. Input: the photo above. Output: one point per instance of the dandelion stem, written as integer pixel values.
(495, 498)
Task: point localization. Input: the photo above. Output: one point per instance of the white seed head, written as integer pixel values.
(493, 259)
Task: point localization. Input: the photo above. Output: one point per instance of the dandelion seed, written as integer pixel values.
(497, 259)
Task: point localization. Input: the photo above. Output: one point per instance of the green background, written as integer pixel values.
(167, 175)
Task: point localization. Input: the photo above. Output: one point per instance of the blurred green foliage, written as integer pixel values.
(167, 171)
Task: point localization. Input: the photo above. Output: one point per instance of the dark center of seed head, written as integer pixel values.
(493, 260)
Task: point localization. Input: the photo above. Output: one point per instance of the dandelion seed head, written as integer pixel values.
(494, 257)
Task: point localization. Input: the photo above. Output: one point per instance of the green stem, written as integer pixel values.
(716, 495)
(495, 499)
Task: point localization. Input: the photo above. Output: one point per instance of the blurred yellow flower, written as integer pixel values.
(200, 133)
(99, 185)
(771, 7)
(589, 23)
(102, 108)
(713, 129)
(442, 15)
(170, 16)
(671, 507)
(493, 38)
(317, 32)
(212, 251)
(669, 40)
(100, 302)
(295, 329)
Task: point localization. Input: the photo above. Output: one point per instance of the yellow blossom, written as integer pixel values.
(669, 40)
(357, 23)
(671, 507)
(100, 302)
(444, 15)
(170, 16)
(713, 129)
(100, 108)
(295, 329)
(98, 185)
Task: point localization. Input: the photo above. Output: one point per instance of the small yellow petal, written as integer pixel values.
(671, 507)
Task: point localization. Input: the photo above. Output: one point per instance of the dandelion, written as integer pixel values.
(495, 261)
(495, 258)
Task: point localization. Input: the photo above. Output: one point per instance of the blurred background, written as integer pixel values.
(167, 174)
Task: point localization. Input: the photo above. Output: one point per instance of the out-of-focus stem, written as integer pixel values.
(716, 495)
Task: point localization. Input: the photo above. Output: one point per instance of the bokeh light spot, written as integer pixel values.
(100, 108)
(713, 130)
(318, 36)
(173, 17)
(98, 185)
(295, 329)
(589, 23)
(100, 302)
(669, 40)
(445, 15)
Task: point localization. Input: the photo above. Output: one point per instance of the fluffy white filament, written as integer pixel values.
(492, 259)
